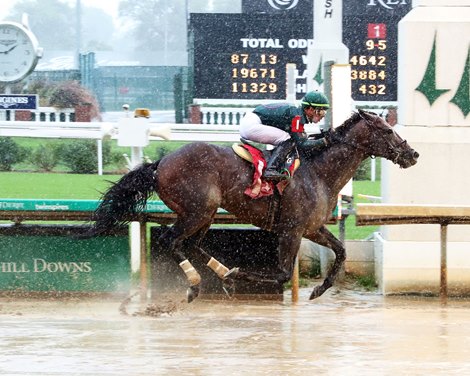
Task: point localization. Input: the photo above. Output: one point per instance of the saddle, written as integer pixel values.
(250, 152)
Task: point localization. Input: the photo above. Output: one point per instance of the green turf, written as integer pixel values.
(82, 186)
(53, 185)
(352, 231)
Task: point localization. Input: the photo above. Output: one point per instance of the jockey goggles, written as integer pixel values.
(317, 107)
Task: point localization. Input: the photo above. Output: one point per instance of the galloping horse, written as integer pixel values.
(197, 179)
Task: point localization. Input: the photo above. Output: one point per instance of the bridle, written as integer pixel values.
(394, 151)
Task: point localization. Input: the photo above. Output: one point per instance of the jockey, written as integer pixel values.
(282, 125)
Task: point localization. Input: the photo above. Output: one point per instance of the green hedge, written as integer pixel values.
(10, 153)
(80, 156)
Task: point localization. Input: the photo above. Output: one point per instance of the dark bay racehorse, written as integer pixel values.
(198, 178)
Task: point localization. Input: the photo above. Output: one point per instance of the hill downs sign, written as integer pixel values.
(42, 258)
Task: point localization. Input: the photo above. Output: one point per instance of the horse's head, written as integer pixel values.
(376, 138)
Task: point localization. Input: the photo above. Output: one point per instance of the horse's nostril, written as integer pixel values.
(415, 155)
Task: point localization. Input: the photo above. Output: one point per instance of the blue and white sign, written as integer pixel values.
(18, 101)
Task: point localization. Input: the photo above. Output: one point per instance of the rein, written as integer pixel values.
(394, 150)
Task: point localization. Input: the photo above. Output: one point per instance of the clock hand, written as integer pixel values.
(10, 49)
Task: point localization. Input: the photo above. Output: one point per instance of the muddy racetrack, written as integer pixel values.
(345, 332)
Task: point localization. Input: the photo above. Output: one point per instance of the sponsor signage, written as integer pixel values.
(18, 102)
(72, 205)
(69, 205)
(47, 258)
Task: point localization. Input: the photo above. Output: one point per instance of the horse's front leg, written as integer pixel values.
(325, 238)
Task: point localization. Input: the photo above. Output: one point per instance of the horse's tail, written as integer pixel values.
(126, 197)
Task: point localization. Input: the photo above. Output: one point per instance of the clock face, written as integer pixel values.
(18, 52)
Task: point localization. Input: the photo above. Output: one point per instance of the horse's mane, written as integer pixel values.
(346, 126)
(336, 135)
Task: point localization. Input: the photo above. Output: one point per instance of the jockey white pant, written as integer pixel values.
(252, 129)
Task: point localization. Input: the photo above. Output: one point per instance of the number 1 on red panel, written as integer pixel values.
(376, 31)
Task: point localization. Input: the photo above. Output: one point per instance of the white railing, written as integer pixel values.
(53, 129)
(100, 130)
(43, 114)
(202, 132)
(223, 115)
(209, 115)
(53, 114)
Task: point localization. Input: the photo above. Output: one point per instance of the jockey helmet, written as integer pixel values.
(315, 99)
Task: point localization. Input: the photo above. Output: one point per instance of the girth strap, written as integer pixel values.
(274, 210)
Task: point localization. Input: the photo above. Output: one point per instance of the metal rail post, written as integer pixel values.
(143, 261)
(295, 281)
(443, 287)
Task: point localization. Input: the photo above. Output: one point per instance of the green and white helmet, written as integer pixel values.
(315, 99)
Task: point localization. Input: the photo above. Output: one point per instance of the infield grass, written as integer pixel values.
(31, 185)
(37, 185)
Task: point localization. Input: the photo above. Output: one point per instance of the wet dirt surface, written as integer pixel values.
(345, 332)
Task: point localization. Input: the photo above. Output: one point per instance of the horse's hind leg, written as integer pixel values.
(216, 266)
(172, 241)
(324, 237)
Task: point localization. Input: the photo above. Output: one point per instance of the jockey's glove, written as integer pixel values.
(314, 145)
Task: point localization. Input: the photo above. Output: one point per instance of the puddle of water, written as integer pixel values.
(343, 332)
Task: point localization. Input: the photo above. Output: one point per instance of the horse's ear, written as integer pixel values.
(367, 116)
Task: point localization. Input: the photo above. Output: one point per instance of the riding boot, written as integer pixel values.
(277, 160)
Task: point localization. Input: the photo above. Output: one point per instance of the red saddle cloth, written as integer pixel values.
(260, 187)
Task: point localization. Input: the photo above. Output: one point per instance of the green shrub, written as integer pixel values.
(314, 269)
(45, 157)
(81, 156)
(117, 159)
(363, 172)
(161, 151)
(367, 282)
(10, 153)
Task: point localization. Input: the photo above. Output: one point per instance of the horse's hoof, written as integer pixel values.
(317, 291)
(192, 293)
(232, 273)
(228, 286)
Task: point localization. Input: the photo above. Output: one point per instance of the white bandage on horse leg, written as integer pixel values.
(217, 267)
(193, 276)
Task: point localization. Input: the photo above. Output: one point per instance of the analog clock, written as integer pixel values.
(19, 52)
